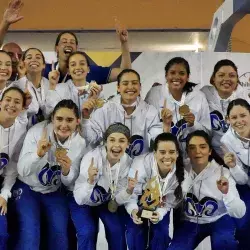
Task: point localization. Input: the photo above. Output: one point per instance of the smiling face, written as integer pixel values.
(129, 88)
(15, 52)
(225, 80)
(65, 123)
(166, 155)
(78, 67)
(5, 67)
(116, 145)
(11, 104)
(177, 77)
(33, 61)
(66, 45)
(198, 151)
(239, 119)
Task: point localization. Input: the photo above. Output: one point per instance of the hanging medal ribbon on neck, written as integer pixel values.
(162, 187)
(60, 150)
(183, 108)
(40, 97)
(113, 205)
(65, 77)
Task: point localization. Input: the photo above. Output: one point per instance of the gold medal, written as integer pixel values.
(112, 206)
(99, 103)
(60, 152)
(184, 109)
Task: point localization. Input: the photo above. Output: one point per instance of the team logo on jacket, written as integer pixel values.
(4, 160)
(39, 117)
(218, 122)
(50, 175)
(136, 146)
(99, 195)
(195, 208)
(177, 129)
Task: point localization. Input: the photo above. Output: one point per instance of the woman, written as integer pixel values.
(166, 164)
(225, 88)
(30, 71)
(13, 123)
(187, 108)
(5, 70)
(77, 88)
(50, 156)
(128, 108)
(236, 144)
(211, 200)
(101, 190)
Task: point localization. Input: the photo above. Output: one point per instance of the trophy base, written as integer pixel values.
(146, 214)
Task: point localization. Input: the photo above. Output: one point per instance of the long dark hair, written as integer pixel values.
(179, 162)
(180, 60)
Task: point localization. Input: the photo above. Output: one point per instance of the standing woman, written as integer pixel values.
(5, 70)
(101, 190)
(186, 106)
(50, 157)
(30, 71)
(77, 88)
(13, 124)
(225, 88)
(237, 158)
(211, 200)
(167, 165)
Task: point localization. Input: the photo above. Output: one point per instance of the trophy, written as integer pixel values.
(150, 199)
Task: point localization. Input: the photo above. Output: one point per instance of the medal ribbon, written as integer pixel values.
(113, 183)
(162, 187)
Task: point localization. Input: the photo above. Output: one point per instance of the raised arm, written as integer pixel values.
(126, 59)
(10, 16)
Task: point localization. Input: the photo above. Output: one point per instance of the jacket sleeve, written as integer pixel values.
(236, 208)
(83, 189)
(152, 97)
(10, 172)
(239, 173)
(202, 119)
(29, 161)
(132, 203)
(122, 196)
(94, 128)
(155, 127)
(52, 98)
(70, 179)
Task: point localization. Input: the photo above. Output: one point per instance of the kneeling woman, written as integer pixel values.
(211, 200)
(166, 164)
(101, 189)
(13, 123)
(51, 155)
